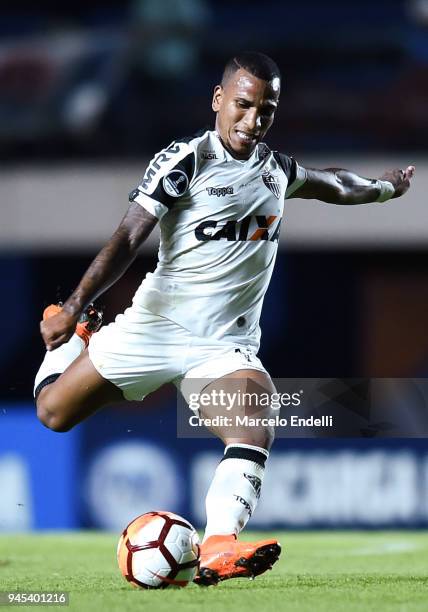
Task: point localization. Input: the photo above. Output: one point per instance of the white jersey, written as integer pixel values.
(220, 220)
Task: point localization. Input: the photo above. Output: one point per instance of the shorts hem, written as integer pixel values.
(113, 382)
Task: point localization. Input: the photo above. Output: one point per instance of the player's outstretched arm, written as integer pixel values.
(108, 266)
(339, 186)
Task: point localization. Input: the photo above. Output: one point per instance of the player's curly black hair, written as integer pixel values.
(257, 64)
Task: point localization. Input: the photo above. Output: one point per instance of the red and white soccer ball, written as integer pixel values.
(158, 550)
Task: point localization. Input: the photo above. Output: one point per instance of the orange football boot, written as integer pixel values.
(223, 557)
(89, 322)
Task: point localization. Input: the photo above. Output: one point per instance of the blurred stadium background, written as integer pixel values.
(87, 96)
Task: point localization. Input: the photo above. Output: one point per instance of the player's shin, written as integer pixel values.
(235, 489)
(56, 362)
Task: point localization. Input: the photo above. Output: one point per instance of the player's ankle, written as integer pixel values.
(214, 538)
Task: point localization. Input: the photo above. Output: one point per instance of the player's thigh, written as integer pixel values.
(241, 398)
(77, 393)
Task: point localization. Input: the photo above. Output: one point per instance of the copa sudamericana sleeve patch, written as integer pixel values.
(175, 183)
(167, 178)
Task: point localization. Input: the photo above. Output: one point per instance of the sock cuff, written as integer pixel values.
(251, 447)
(246, 451)
(45, 382)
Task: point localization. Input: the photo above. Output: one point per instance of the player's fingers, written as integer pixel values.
(48, 336)
(53, 337)
(54, 343)
(53, 329)
(409, 172)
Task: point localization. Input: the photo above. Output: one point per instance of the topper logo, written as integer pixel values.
(219, 191)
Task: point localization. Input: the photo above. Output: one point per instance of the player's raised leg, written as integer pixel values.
(236, 486)
(67, 387)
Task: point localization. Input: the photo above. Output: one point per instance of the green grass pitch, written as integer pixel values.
(317, 571)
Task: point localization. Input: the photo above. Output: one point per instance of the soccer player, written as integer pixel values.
(219, 199)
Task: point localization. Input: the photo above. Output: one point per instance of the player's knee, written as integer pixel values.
(51, 418)
(262, 437)
(266, 437)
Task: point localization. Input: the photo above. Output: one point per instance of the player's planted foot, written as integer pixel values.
(223, 557)
(90, 320)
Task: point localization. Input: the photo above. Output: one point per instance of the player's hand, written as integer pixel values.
(400, 179)
(58, 329)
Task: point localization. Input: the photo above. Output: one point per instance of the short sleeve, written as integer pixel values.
(167, 178)
(296, 175)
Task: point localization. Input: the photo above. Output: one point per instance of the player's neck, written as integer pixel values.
(231, 151)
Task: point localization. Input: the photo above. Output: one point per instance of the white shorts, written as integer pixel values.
(141, 351)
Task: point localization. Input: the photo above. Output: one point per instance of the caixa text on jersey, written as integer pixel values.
(252, 227)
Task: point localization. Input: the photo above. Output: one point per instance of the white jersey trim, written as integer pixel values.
(301, 177)
(155, 208)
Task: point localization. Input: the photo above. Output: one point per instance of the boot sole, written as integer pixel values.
(259, 562)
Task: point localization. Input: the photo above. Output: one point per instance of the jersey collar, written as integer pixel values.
(258, 153)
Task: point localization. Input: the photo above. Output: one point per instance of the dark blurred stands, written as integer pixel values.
(117, 79)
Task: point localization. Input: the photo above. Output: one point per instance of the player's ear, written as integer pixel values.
(217, 98)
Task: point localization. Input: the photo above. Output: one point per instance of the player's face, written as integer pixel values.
(245, 109)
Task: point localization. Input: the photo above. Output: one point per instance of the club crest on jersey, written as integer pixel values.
(272, 183)
(175, 183)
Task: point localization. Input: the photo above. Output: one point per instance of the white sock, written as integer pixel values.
(235, 489)
(55, 362)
